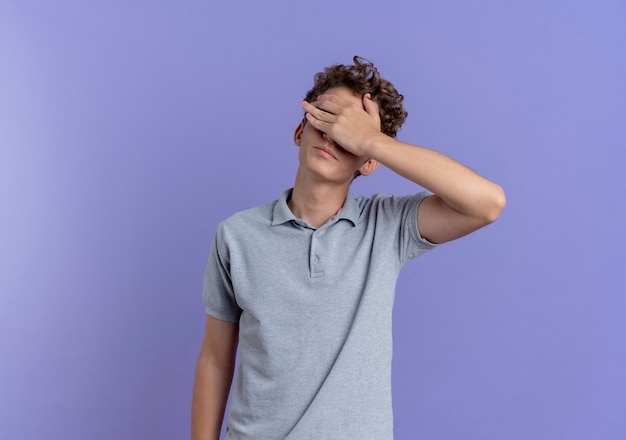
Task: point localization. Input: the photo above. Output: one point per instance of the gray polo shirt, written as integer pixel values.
(314, 308)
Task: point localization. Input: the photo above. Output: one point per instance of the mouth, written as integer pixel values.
(326, 152)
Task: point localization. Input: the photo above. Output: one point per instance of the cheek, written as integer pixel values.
(310, 131)
(346, 153)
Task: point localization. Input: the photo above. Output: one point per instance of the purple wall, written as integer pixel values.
(128, 130)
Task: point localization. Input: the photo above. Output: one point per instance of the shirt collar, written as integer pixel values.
(282, 214)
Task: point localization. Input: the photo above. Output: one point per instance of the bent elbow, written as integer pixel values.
(496, 205)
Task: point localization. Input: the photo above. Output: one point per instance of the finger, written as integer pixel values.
(318, 112)
(327, 105)
(370, 105)
(317, 123)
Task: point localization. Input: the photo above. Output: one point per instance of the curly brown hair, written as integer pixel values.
(362, 78)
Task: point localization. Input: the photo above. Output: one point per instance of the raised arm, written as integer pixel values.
(463, 201)
(214, 374)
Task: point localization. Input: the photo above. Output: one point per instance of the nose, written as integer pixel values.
(328, 139)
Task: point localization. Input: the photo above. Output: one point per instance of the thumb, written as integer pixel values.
(370, 106)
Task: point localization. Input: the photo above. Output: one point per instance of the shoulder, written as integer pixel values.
(381, 204)
(248, 219)
(394, 220)
(233, 232)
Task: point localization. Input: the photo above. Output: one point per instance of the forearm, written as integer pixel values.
(460, 188)
(210, 393)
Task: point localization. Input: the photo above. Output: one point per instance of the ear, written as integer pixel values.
(368, 167)
(297, 135)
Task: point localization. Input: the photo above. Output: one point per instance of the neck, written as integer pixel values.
(315, 202)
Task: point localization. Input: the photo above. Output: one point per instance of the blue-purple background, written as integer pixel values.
(129, 129)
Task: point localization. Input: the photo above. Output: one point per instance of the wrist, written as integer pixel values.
(376, 143)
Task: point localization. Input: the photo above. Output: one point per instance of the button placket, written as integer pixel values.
(314, 258)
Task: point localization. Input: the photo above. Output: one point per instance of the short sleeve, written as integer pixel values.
(412, 244)
(218, 293)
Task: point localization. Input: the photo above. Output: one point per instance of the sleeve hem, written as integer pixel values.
(415, 228)
(222, 316)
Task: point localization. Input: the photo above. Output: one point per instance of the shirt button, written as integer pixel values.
(317, 258)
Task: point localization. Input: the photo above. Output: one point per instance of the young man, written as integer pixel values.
(305, 285)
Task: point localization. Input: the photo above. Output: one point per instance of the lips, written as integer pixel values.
(327, 151)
